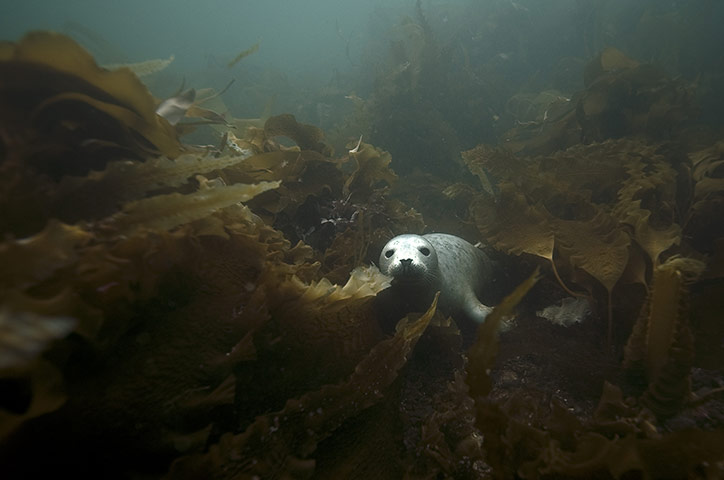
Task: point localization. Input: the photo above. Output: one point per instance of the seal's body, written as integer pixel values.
(421, 265)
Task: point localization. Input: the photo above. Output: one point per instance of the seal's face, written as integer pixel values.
(410, 259)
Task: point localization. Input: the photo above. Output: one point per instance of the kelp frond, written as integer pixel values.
(483, 352)
(141, 69)
(661, 343)
(164, 212)
(272, 443)
(243, 54)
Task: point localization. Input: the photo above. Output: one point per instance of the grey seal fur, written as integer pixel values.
(421, 265)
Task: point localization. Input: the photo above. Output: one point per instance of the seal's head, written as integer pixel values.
(410, 260)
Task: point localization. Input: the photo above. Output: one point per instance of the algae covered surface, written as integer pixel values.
(186, 293)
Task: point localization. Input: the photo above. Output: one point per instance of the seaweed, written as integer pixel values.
(164, 212)
(661, 343)
(243, 54)
(272, 445)
(146, 67)
(483, 352)
(211, 312)
(77, 78)
(598, 209)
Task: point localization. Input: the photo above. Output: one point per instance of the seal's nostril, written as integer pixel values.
(406, 261)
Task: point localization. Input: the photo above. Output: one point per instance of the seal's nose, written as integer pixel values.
(406, 263)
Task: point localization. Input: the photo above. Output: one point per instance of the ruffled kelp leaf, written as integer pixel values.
(348, 248)
(585, 205)
(248, 133)
(99, 193)
(499, 161)
(38, 393)
(185, 104)
(31, 260)
(282, 442)
(655, 329)
(307, 137)
(321, 320)
(146, 67)
(715, 266)
(513, 226)
(483, 352)
(673, 455)
(173, 109)
(597, 168)
(51, 72)
(243, 54)
(302, 174)
(532, 437)
(708, 175)
(162, 293)
(661, 342)
(653, 240)
(371, 168)
(161, 140)
(621, 98)
(210, 116)
(650, 179)
(609, 60)
(536, 107)
(598, 246)
(164, 212)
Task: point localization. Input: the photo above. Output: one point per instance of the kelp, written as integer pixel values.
(173, 109)
(708, 199)
(99, 193)
(64, 115)
(167, 257)
(483, 352)
(164, 212)
(320, 319)
(146, 67)
(77, 79)
(43, 392)
(36, 258)
(307, 137)
(622, 97)
(661, 343)
(204, 333)
(608, 210)
(243, 54)
(371, 167)
(272, 445)
(185, 104)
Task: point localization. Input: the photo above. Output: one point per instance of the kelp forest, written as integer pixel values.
(189, 290)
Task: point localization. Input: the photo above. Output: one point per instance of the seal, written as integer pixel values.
(422, 265)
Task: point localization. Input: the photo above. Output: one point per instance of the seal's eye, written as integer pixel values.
(389, 252)
(424, 250)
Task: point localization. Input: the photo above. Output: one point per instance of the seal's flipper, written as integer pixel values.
(477, 311)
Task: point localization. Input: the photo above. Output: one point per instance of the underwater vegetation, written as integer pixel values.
(171, 310)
